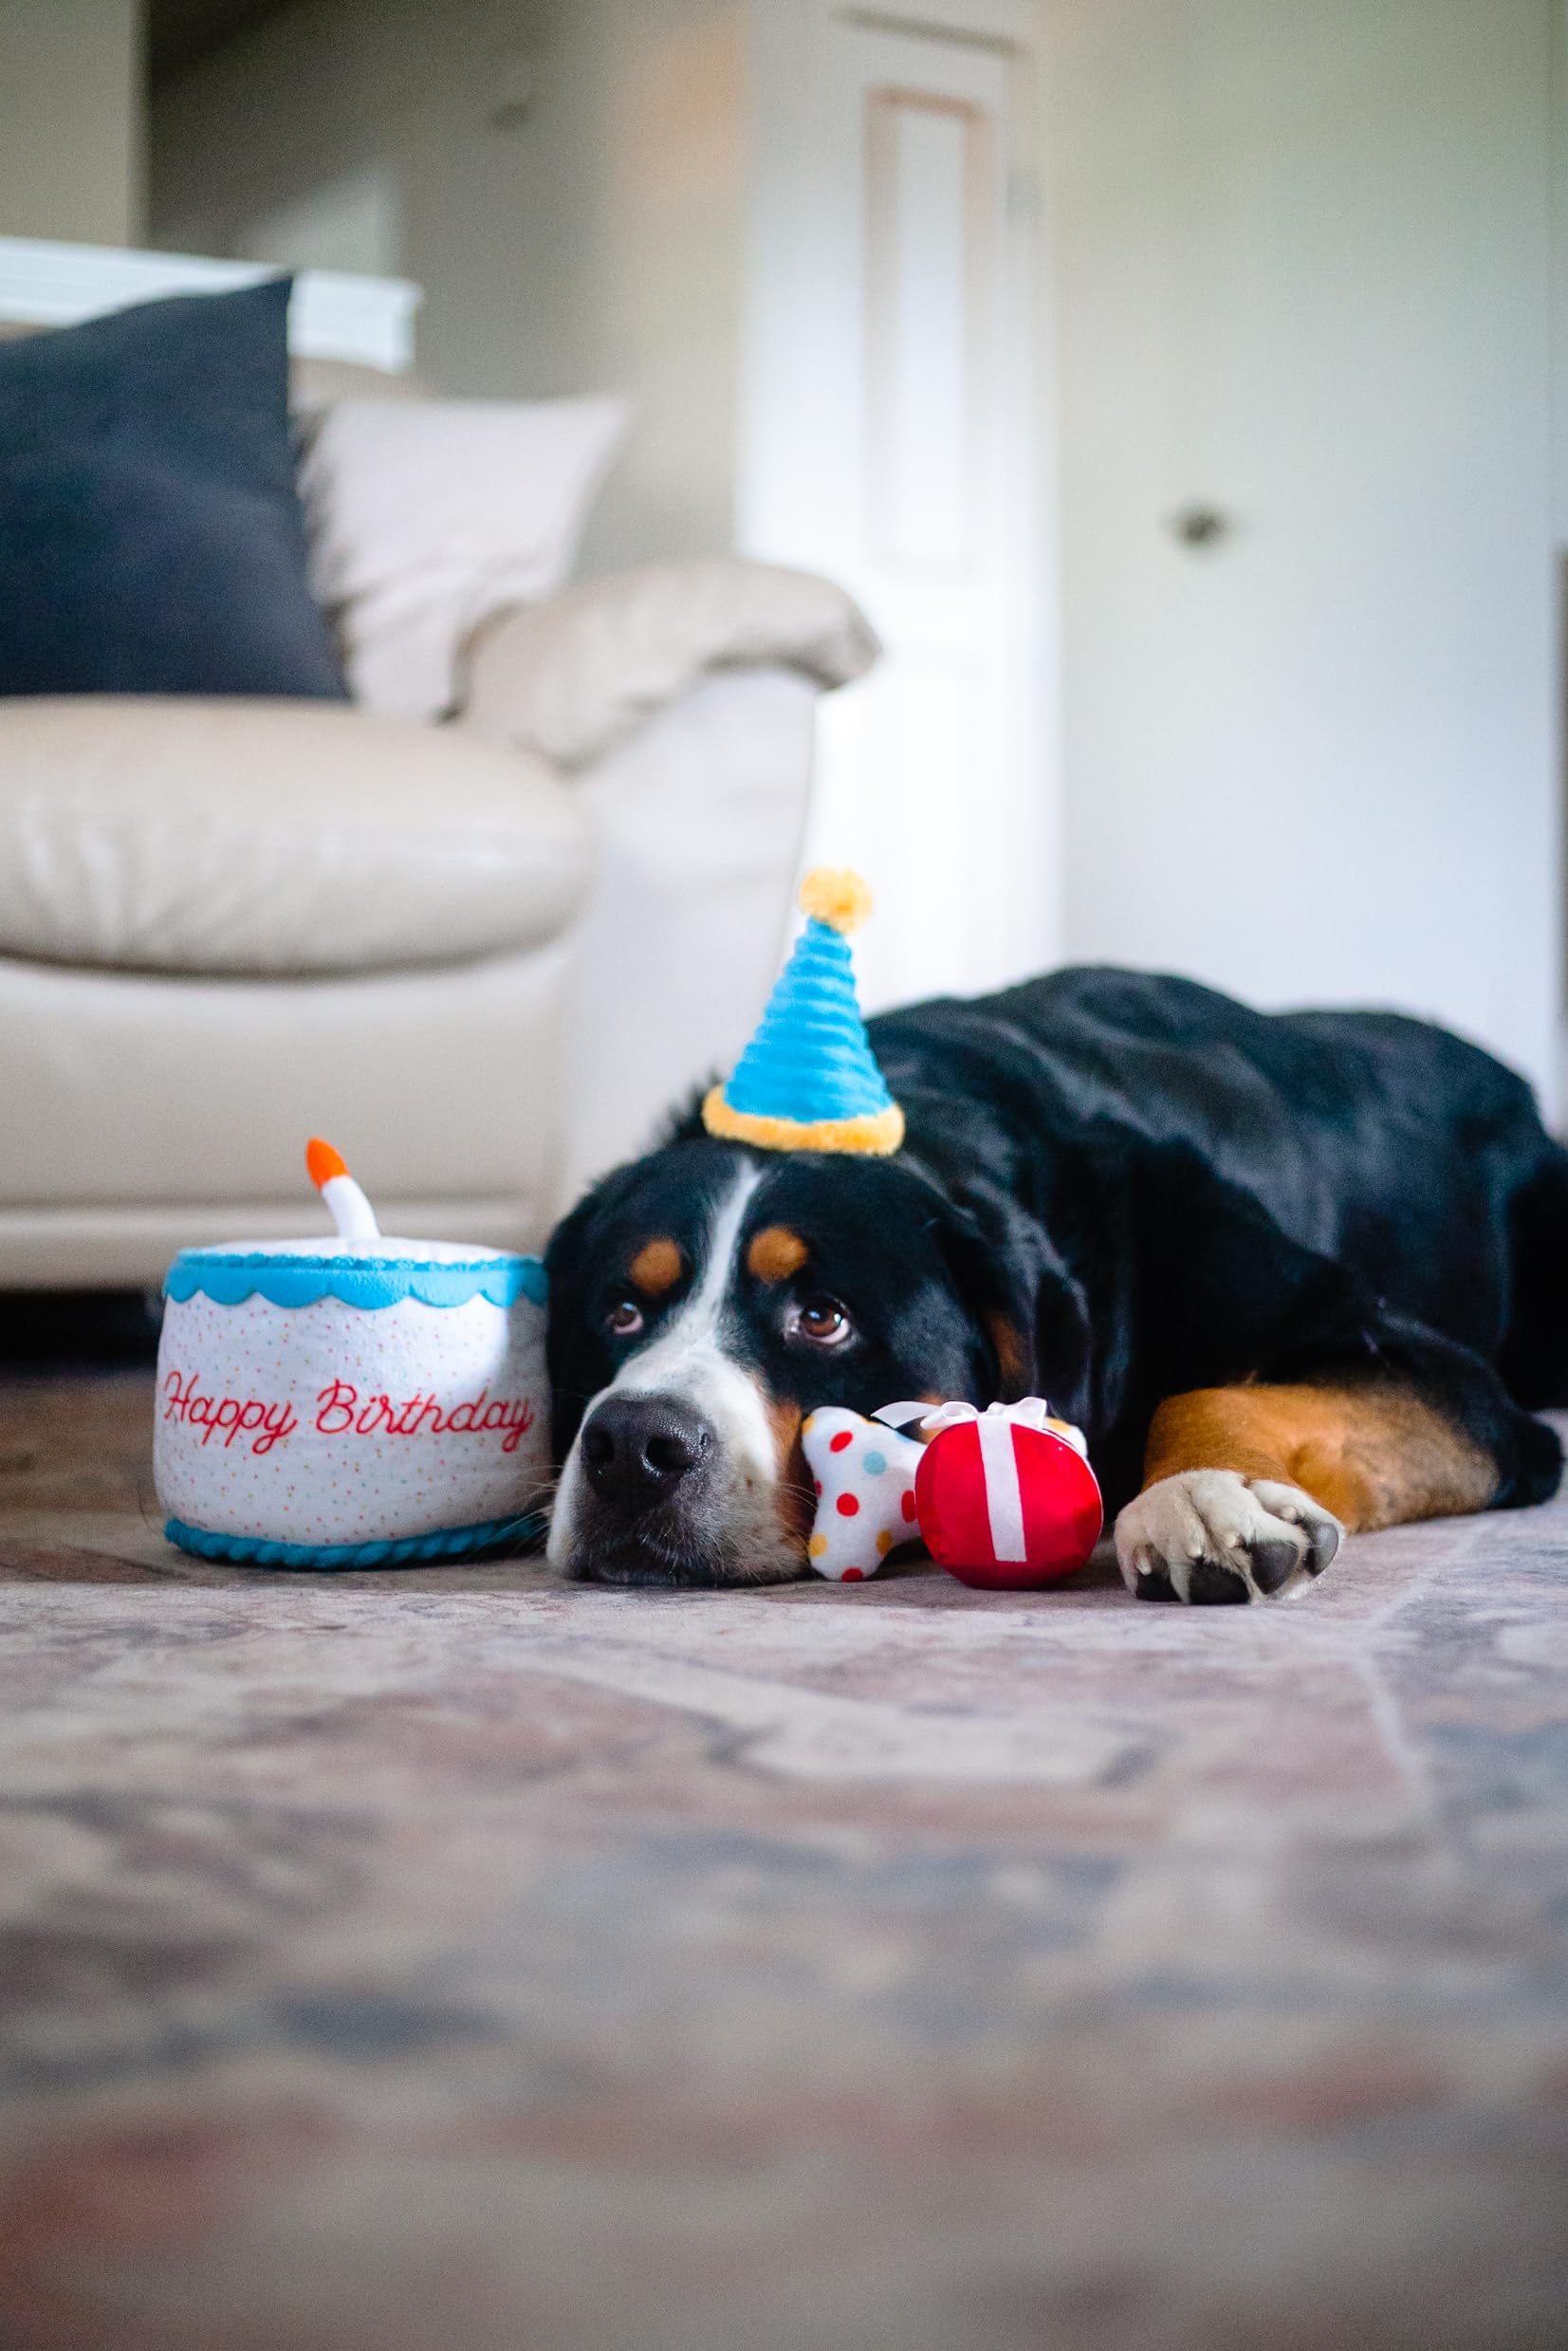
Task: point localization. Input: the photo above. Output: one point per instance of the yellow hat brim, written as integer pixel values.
(873, 1135)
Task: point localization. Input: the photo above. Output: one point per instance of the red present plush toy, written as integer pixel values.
(1006, 1497)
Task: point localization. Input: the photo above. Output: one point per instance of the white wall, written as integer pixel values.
(560, 176)
(71, 121)
(1304, 271)
(640, 132)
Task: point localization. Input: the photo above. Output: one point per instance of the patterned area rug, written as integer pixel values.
(443, 1958)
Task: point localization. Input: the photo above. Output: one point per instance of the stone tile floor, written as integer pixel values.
(445, 1959)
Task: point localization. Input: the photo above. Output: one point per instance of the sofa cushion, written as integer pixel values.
(151, 534)
(426, 516)
(273, 838)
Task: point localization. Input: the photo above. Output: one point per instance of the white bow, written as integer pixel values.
(1031, 1411)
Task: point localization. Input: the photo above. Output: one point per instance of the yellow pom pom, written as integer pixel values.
(835, 895)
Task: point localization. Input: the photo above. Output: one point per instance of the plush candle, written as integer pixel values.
(353, 1401)
(351, 1212)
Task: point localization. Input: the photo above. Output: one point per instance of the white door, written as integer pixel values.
(889, 440)
(1308, 584)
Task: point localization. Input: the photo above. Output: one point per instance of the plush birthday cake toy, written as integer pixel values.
(350, 1403)
(1003, 1499)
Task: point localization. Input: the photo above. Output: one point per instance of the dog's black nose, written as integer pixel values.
(637, 1449)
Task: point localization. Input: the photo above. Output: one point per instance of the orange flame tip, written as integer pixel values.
(323, 1163)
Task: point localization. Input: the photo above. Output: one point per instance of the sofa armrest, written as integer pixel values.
(571, 678)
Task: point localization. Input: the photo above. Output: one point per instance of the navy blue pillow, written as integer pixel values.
(151, 535)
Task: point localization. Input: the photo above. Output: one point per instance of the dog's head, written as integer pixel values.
(705, 1300)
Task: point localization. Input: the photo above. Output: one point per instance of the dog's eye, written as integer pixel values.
(625, 1318)
(820, 1321)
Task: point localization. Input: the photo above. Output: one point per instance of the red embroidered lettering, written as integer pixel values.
(336, 1412)
(461, 1419)
(280, 1421)
(227, 1416)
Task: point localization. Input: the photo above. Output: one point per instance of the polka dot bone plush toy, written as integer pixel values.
(1004, 1499)
(865, 1474)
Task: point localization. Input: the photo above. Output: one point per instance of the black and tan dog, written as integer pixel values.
(1293, 1274)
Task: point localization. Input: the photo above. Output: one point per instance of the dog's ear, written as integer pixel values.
(682, 1122)
(1033, 1315)
(573, 1348)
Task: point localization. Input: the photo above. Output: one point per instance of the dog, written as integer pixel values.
(1296, 1275)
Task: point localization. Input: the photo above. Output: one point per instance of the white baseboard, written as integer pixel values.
(333, 316)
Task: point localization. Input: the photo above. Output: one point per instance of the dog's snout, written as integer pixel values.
(637, 1449)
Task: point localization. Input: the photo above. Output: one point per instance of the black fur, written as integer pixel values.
(1161, 1190)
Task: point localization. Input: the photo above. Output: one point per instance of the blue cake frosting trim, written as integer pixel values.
(229, 1277)
(489, 1535)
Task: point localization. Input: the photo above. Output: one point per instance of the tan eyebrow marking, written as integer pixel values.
(656, 1267)
(1011, 1360)
(775, 1253)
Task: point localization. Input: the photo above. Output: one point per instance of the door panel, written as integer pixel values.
(890, 443)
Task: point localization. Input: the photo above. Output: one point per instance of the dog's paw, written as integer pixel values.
(1210, 1536)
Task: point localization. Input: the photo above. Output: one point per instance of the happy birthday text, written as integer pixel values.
(341, 1411)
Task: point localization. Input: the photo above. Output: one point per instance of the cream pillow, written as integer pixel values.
(428, 516)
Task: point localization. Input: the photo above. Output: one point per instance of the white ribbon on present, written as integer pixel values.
(1031, 1411)
(998, 1461)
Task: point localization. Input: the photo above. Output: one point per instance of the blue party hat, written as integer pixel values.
(808, 1079)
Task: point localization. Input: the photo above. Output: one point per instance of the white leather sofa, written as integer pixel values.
(482, 957)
